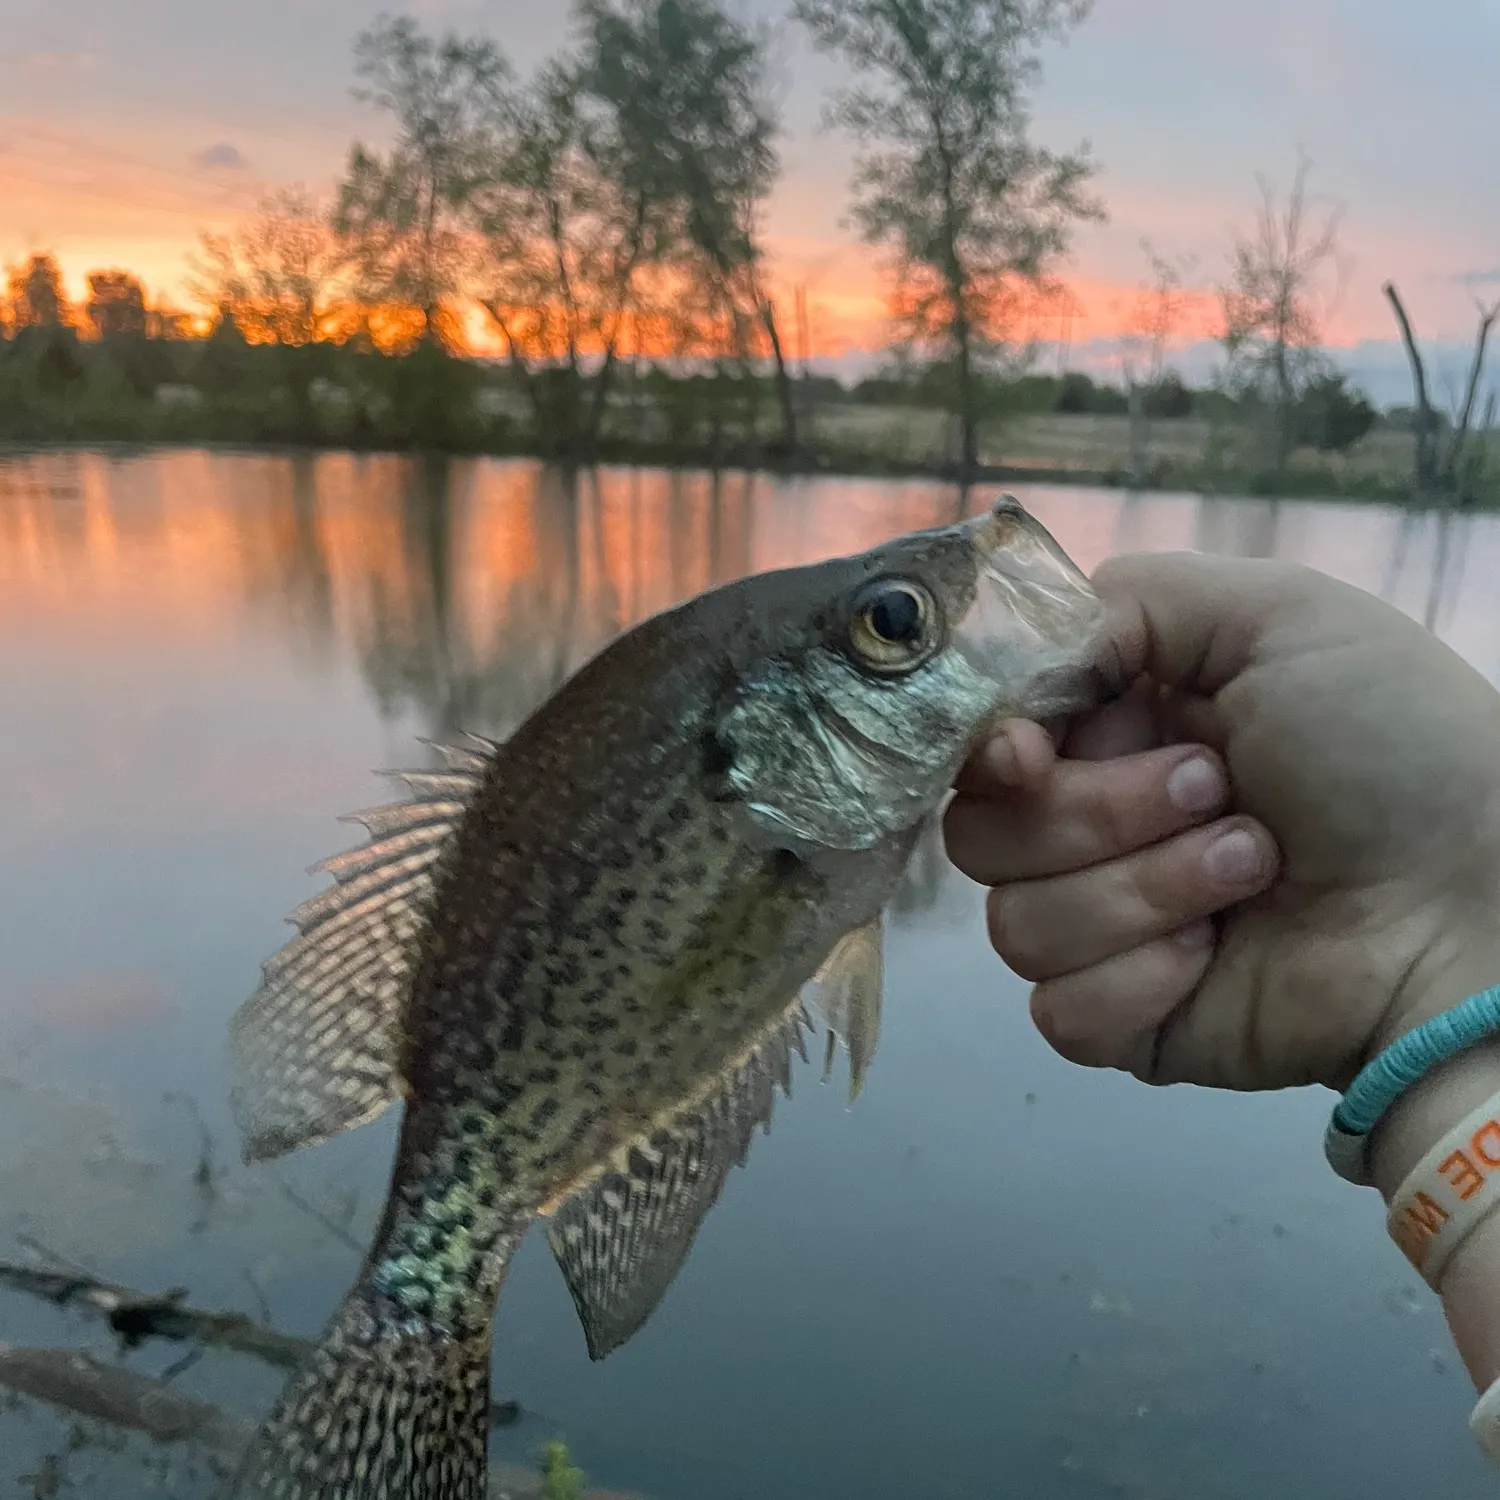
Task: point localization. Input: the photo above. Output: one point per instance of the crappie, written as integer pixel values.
(583, 958)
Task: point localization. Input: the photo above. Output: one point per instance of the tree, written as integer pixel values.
(1437, 466)
(1272, 317)
(1332, 416)
(948, 180)
(567, 236)
(117, 305)
(680, 87)
(404, 209)
(36, 295)
(282, 276)
(1167, 397)
(1143, 351)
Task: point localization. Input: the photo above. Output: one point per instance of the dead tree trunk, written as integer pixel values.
(1459, 441)
(1426, 435)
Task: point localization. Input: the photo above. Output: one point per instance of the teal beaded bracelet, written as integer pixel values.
(1391, 1072)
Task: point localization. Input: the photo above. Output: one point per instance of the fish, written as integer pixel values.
(584, 959)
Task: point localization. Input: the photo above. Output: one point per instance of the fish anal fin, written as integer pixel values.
(621, 1242)
(314, 1051)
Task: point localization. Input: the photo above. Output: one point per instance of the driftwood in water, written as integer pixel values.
(109, 1393)
(134, 1317)
(81, 1385)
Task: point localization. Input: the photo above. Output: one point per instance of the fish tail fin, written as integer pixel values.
(387, 1408)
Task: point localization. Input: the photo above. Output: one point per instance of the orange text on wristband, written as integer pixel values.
(1454, 1187)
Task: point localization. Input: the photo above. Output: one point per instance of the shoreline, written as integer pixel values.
(1295, 486)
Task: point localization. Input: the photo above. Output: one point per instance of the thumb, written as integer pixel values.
(1190, 621)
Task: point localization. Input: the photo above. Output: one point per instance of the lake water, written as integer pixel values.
(996, 1276)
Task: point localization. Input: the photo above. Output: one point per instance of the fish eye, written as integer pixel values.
(893, 627)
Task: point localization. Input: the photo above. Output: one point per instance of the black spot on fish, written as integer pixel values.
(568, 971)
(545, 1111)
(717, 756)
(600, 1023)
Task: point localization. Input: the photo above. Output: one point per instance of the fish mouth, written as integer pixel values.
(1038, 619)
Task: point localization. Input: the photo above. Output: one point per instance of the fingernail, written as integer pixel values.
(1196, 786)
(1234, 858)
(1195, 935)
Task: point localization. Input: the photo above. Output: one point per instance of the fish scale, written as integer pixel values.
(583, 959)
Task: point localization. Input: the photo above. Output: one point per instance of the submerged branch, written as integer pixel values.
(79, 1384)
(135, 1317)
(107, 1393)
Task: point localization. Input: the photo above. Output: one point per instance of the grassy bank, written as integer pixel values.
(155, 393)
(875, 442)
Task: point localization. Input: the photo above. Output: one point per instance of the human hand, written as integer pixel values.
(1276, 925)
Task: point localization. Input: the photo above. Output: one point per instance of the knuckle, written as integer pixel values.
(1108, 820)
(1013, 934)
(1060, 1029)
(969, 836)
(1169, 888)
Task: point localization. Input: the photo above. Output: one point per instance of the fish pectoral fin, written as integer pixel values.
(621, 1243)
(314, 1050)
(846, 993)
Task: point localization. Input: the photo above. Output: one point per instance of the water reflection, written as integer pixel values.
(997, 1275)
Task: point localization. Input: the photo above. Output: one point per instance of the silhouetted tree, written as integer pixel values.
(35, 295)
(567, 239)
(949, 181)
(1272, 317)
(282, 276)
(1167, 397)
(117, 305)
(1332, 415)
(679, 87)
(404, 209)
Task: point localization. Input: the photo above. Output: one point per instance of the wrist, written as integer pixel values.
(1439, 1100)
(1469, 1284)
(1428, 1110)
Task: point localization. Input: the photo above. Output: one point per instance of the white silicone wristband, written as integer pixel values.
(1484, 1423)
(1454, 1188)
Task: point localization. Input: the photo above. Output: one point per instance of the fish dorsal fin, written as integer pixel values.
(622, 1241)
(313, 1050)
(845, 994)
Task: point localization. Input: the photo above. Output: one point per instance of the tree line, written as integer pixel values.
(601, 221)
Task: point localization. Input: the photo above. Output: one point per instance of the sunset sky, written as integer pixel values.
(125, 130)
